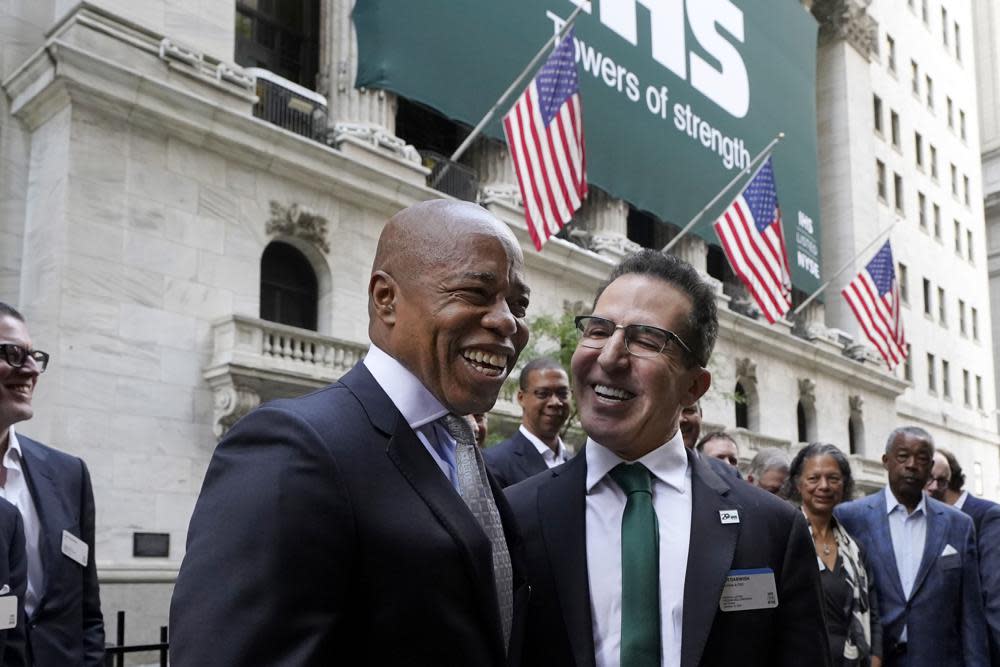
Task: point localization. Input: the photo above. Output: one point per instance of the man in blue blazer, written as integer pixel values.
(986, 517)
(638, 552)
(52, 491)
(543, 395)
(13, 583)
(923, 554)
(335, 528)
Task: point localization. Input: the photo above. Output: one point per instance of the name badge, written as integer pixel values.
(8, 612)
(729, 516)
(75, 548)
(749, 589)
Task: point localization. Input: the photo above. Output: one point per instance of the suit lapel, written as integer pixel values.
(562, 512)
(882, 539)
(408, 454)
(710, 557)
(933, 544)
(51, 517)
(530, 460)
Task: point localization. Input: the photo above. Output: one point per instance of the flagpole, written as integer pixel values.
(516, 85)
(743, 172)
(849, 264)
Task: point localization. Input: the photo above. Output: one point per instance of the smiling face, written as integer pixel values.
(16, 384)
(449, 301)
(545, 402)
(632, 405)
(821, 485)
(908, 463)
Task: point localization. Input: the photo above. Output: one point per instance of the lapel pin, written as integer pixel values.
(729, 516)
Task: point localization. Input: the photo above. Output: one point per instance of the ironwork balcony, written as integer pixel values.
(287, 104)
(452, 178)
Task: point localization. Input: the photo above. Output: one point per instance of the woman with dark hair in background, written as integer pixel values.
(819, 479)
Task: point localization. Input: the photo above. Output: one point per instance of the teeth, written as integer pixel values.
(490, 359)
(612, 392)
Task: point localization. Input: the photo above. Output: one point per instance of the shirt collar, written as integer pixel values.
(960, 503)
(668, 463)
(542, 448)
(13, 453)
(417, 405)
(891, 503)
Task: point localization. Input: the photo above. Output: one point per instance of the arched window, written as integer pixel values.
(742, 411)
(800, 413)
(288, 287)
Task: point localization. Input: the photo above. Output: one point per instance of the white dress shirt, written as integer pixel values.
(605, 507)
(16, 492)
(419, 408)
(551, 458)
(960, 503)
(909, 534)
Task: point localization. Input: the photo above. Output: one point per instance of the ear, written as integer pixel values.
(520, 397)
(699, 383)
(885, 461)
(383, 293)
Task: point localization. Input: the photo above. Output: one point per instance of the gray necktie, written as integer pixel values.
(475, 491)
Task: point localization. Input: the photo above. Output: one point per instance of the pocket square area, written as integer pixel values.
(949, 550)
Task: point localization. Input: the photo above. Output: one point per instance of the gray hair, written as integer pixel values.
(913, 432)
(768, 458)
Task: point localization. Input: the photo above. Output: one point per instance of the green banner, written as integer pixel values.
(677, 96)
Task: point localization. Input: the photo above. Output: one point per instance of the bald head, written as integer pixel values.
(447, 299)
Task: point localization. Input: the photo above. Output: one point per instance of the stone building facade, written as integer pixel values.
(139, 194)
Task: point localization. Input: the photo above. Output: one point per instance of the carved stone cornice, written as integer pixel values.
(857, 403)
(746, 370)
(847, 20)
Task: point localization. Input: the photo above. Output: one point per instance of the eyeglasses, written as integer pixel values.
(641, 340)
(17, 356)
(939, 481)
(546, 394)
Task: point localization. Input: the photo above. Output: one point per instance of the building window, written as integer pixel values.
(915, 77)
(961, 124)
(908, 365)
(961, 317)
(927, 297)
(950, 107)
(897, 191)
(958, 237)
(931, 373)
(954, 180)
(944, 26)
(937, 222)
(924, 14)
(877, 108)
(890, 47)
(894, 128)
(800, 416)
(288, 287)
(975, 323)
(282, 37)
(965, 190)
(979, 392)
(918, 148)
(966, 389)
(958, 44)
(922, 210)
(855, 431)
(880, 175)
(934, 170)
(929, 82)
(945, 379)
(942, 310)
(904, 283)
(968, 245)
(742, 416)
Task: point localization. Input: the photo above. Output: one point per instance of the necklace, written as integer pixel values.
(826, 549)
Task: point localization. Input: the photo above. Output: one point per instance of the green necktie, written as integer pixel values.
(640, 568)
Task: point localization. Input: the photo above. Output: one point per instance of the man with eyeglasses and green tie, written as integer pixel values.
(52, 492)
(543, 395)
(639, 554)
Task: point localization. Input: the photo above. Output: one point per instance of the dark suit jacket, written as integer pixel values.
(67, 627)
(325, 534)
(551, 510)
(986, 517)
(513, 460)
(13, 574)
(944, 614)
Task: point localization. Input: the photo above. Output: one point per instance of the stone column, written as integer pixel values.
(606, 220)
(497, 180)
(693, 250)
(846, 40)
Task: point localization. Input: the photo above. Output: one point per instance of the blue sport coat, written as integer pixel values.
(513, 460)
(986, 516)
(944, 613)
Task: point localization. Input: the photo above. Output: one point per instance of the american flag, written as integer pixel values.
(751, 236)
(874, 297)
(544, 132)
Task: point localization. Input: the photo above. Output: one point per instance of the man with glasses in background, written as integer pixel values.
(543, 395)
(52, 491)
(639, 553)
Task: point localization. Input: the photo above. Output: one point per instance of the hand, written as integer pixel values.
(876, 661)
